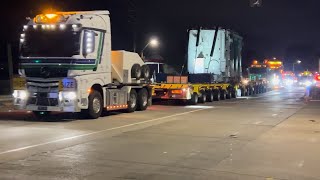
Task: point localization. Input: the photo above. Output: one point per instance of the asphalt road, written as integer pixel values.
(271, 136)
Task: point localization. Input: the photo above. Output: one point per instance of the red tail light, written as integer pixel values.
(317, 77)
(176, 91)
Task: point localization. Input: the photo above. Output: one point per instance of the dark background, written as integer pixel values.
(286, 29)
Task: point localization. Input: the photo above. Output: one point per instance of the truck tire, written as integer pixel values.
(228, 94)
(259, 89)
(132, 102)
(95, 108)
(145, 72)
(136, 71)
(255, 90)
(234, 93)
(210, 96)
(142, 100)
(250, 91)
(194, 99)
(216, 94)
(223, 94)
(203, 97)
(243, 92)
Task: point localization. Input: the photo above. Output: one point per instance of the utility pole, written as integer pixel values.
(10, 67)
(132, 20)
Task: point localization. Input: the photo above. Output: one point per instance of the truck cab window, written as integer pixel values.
(50, 43)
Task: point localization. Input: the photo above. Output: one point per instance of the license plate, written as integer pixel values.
(67, 84)
(42, 108)
(19, 83)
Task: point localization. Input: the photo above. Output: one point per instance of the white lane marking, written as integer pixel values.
(274, 115)
(202, 107)
(258, 122)
(96, 132)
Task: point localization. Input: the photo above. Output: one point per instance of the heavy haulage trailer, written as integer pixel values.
(66, 65)
(214, 70)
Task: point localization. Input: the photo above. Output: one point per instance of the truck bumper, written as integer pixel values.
(52, 102)
(173, 97)
(46, 108)
(167, 94)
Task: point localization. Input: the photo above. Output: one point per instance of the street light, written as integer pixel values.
(153, 43)
(297, 62)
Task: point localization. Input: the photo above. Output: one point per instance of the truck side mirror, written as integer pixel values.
(88, 42)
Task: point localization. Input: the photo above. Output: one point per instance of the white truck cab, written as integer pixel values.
(66, 65)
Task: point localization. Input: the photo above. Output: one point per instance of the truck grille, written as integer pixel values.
(39, 86)
(46, 72)
(43, 101)
(40, 93)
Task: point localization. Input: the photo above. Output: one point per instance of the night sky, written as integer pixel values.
(285, 29)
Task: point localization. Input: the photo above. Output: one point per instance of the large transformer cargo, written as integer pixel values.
(216, 52)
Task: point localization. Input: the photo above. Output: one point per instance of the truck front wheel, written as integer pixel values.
(142, 100)
(95, 108)
(132, 103)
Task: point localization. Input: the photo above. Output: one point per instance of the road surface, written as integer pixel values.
(271, 136)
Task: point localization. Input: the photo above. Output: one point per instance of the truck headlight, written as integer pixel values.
(308, 83)
(275, 81)
(21, 94)
(70, 95)
(245, 82)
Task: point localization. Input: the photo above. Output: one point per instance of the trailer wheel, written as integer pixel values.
(258, 91)
(132, 103)
(250, 91)
(194, 99)
(217, 95)
(210, 96)
(142, 100)
(234, 93)
(265, 89)
(228, 94)
(136, 71)
(255, 90)
(223, 95)
(203, 97)
(243, 92)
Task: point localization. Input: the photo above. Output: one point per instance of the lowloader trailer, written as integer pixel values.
(214, 70)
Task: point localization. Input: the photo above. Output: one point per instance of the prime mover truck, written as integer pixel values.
(214, 70)
(67, 65)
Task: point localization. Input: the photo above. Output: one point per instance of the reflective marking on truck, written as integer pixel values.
(61, 61)
(117, 107)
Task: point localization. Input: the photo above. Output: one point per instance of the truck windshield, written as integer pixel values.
(156, 68)
(50, 43)
(257, 70)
